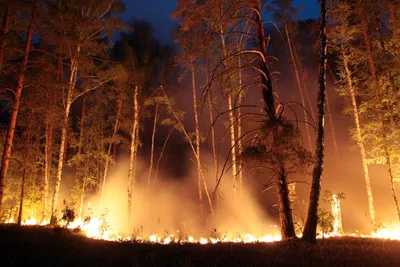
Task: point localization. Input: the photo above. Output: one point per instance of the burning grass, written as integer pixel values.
(44, 246)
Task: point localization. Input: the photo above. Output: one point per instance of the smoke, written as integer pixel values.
(172, 206)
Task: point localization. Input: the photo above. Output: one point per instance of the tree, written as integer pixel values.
(16, 103)
(310, 228)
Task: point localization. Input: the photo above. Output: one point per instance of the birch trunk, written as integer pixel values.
(193, 147)
(197, 140)
(4, 31)
(134, 141)
(116, 125)
(239, 127)
(161, 154)
(62, 150)
(214, 151)
(15, 104)
(153, 135)
(231, 123)
(25, 158)
(79, 162)
(359, 137)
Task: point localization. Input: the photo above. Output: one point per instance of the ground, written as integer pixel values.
(39, 246)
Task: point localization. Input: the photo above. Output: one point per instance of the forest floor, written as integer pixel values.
(40, 246)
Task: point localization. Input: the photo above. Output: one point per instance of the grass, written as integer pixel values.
(40, 246)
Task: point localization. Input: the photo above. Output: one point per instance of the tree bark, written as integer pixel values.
(61, 154)
(285, 211)
(197, 140)
(359, 137)
(310, 228)
(4, 31)
(15, 104)
(25, 159)
(153, 135)
(231, 123)
(133, 153)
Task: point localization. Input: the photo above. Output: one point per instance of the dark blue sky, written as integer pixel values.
(158, 13)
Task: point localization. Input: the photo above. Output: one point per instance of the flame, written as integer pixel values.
(95, 228)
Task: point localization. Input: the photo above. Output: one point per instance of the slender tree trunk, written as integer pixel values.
(239, 128)
(116, 125)
(197, 140)
(4, 31)
(310, 228)
(134, 141)
(161, 154)
(214, 151)
(153, 135)
(79, 174)
(61, 154)
(193, 147)
(15, 104)
(285, 211)
(25, 159)
(359, 137)
(303, 102)
(231, 123)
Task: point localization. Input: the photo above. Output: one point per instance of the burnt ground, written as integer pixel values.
(39, 246)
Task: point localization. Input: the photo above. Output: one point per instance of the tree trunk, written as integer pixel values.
(197, 141)
(303, 102)
(116, 125)
(239, 128)
(153, 135)
(134, 141)
(61, 154)
(310, 228)
(4, 31)
(193, 147)
(285, 211)
(359, 137)
(15, 104)
(231, 123)
(161, 154)
(25, 158)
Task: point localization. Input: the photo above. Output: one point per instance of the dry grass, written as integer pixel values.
(38, 246)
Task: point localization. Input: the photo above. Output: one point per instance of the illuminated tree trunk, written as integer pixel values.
(63, 141)
(134, 146)
(231, 124)
(79, 163)
(162, 154)
(303, 102)
(214, 152)
(116, 125)
(359, 137)
(193, 147)
(153, 135)
(15, 104)
(285, 210)
(329, 113)
(4, 31)
(239, 126)
(197, 140)
(25, 159)
(310, 228)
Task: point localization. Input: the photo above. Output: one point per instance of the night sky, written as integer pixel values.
(158, 13)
